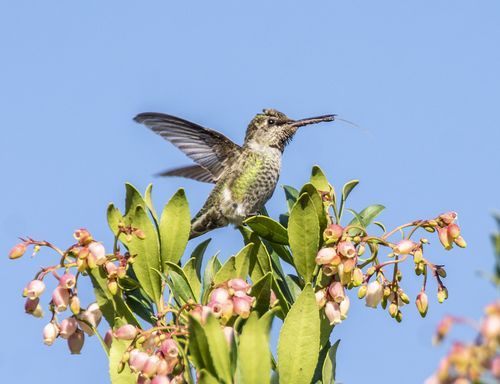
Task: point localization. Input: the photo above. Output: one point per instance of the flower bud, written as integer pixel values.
(160, 379)
(336, 291)
(325, 256)
(362, 291)
(238, 285)
(137, 360)
(139, 233)
(82, 236)
(126, 332)
(320, 298)
(404, 247)
(346, 248)
(34, 289)
(151, 366)
(81, 265)
(344, 307)
(201, 312)
(453, 231)
(111, 269)
(229, 334)
(163, 368)
(74, 304)
(332, 312)
(50, 333)
(169, 348)
(112, 285)
(17, 251)
(90, 318)
(33, 307)
(68, 280)
(68, 327)
(60, 298)
(460, 242)
(418, 256)
(219, 295)
(350, 264)
(393, 310)
(422, 303)
(361, 250)
(242, 306)
(490, 328)
(442, 329)
(448, 217)
(333, 232)
(444, 238)
(98, 251)
(374, 294)
(108, 338)
(329, 270)
(442, 294)
(357, 277)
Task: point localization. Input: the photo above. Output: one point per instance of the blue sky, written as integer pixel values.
(421, 77)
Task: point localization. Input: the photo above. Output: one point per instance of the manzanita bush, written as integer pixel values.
(169, 322)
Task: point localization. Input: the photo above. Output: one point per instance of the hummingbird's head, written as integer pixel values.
(274, 129)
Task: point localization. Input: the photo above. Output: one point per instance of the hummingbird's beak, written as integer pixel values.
(313, 120)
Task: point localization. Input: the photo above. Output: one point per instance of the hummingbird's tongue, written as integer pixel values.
(313, 120)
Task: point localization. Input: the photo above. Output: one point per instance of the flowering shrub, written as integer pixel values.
(171, 323)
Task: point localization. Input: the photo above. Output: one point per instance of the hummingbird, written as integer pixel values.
(245, 177)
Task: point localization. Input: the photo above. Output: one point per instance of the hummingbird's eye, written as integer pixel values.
(271, 121)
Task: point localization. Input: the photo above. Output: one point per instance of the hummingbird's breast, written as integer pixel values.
(250, 182)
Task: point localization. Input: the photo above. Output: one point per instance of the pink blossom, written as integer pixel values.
(34, 289)
(137, 360)
(405, 247)
(17, 251)
(50, 333)
(374, 293)
(68, 327)
(169, 348)
(60, 298)
(346, 248)
(325, 256)
(75, 342)
(332, 312)
(98, 251)
(68, 280)
(126, 332)
(238, 284)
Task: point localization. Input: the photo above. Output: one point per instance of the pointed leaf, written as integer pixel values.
(330, 364)
(133, 198)
(114, 218)
(198, 254)
(268, 229)
(291, 195)
(243, 261)
(319, 180)
(149, 203)
(254, 357)
(304, 234)
(118, 348)
(227, 271)
(261, 290)
(207, 378)
(198, 347)
(347, 188)
(193, 278)
(175, 225)
(298, 344)
(318, 204)
(147, 254)
(179, 283)
(219, 349)
(293, 287)
(260, 262)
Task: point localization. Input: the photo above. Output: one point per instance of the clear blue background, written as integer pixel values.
(423, 78)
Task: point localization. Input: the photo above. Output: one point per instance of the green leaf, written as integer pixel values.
(219, 349)
(211, 269)
(293, 287)
(141, 307)
(192, 276)
(367, 215)
(198, 254)
(147, 254)
(133, 198)
(227, 271)
(318, 204)
(261, 290)
(179, 283)
(346, 191)
(118, 348)
(291, 195)
(175, 225)
(254, 356)
(114, 218)
(207, 378)
(330, 364)
(260, 262)
(113, 307)
(149, 203)
(243, 261)
(268, 229)
(319, 180)
(304, 235)
(198, 347)
(298, 344)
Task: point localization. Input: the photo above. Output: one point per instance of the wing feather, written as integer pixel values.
(195, 172)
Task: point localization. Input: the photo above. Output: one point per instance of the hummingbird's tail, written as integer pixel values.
(207, 219)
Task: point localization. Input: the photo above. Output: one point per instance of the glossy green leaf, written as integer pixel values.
(268, 229)
(118, 348)
(261, 290)
(330, 364)
(293, 287)
(254, 356)
(192, 276)
(207, 378)
(211, 269)
(140, 306)
(319, 180)
(219, 349)
(179, 283)
(114, 217)
(260, 262)
(227, 271)
(198, 254)
(298, 344)
(113, 307)
(318, 204)
(243, 261)
(291, 196)
(368, 214)
(198, 347)
(304, 235)
(133, 198)
(346, 191)
(147, 254)
(149, 203)
(175, 225)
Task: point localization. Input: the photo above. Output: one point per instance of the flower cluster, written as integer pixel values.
(342, 267)
(468, 363)
(231, 298)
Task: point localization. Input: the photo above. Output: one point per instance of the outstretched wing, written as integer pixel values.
(210, 149)
(195, 172)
